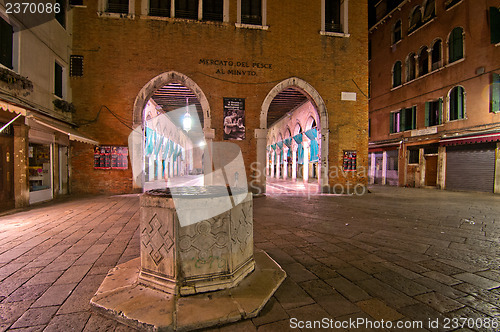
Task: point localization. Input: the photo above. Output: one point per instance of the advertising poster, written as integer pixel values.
(234, 118)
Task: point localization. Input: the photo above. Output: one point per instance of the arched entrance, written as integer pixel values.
(293, 87)
(162, 148)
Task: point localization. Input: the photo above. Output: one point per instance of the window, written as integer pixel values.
(332, 16)
(396, 32)
(436, 55)
(410, 67)
(423, 61)
(413, 156)
(159, 8)
(61, 16)
(396, 74)
(213, 10)
(186, 9)
(430, 10)
(76, 65)
(251, 12)
(456, 45)
(404, 119)
(117, 6)
(58, 80)
(495, 25)
(415, 19)
(6, 34)
(450, 3)
(434, 112)
(495, 93)
(457, 103)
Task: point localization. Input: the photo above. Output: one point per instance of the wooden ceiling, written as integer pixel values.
(175, 96)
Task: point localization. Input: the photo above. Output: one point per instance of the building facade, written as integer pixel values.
(238, 66)
(434, 94)
(35, 106)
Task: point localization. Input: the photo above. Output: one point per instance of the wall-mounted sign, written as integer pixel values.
(111, 157)
(349, 164)
(234, 118)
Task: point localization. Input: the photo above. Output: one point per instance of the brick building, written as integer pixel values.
(35, 105)
(246, 61)
(434, 96)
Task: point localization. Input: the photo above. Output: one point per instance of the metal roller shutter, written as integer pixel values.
(470, 167)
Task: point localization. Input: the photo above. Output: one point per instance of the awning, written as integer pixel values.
(483, 138)
(12, 108)
(73, 134)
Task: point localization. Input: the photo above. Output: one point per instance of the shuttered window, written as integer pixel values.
(495, 25)
(159, 8)
(213, 10)
(251, 12)
(396, 34)
(456, 45)
(434, 112)
(457, 103)
(6, 33)
(186, 9)
(117, 6)
(58, 80)
(495, 93)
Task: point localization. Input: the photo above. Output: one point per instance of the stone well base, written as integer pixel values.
(122, 298)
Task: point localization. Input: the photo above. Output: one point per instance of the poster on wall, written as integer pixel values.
(111, 157)
(234, 118)
(349, 164)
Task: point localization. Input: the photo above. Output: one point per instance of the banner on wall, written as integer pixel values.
(111, 157)
(234, 118)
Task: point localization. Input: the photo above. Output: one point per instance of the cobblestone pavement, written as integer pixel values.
(396, 254)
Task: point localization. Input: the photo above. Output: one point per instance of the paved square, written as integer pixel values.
(396, 254)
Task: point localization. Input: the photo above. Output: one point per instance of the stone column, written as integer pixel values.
(207, 156)
(294, 162)
(496, 189)
(259, 177)
(384, 167)
(285, 163)
(273, 162)
(268, 166)
(278, 166)
(21, 179)
(305, 168)
(372, 168)
(441, 167)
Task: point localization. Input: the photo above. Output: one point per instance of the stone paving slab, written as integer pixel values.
(397, 253)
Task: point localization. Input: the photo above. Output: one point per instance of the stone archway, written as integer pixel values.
(144, 95)
(261, 133)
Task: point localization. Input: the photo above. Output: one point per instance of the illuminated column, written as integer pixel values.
(372, 168)
(294, 162)
(305, 168)
(268, 167)
(384, 167)
(285, 163)
(278, 165)
(271, 172)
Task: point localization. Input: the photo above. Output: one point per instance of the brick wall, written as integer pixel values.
(122, 54)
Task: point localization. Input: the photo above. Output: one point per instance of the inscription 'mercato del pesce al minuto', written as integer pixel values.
(237, 68)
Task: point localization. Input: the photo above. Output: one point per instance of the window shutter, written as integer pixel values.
(402, 120)
(460, 102)
(495, 93)
(440, 111)
(495, 25)
(427, 114)
(58, 80)
(391, 122)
